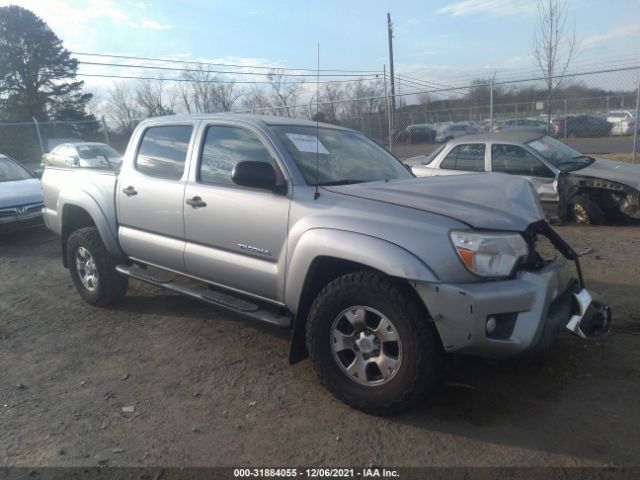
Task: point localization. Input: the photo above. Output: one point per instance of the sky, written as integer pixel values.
(433, 39)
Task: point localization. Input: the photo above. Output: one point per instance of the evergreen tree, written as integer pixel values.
(37, 74)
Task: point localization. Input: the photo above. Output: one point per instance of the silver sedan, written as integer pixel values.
(569, 183)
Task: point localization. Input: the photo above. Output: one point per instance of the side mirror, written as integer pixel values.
(255, 175)
(38, 173)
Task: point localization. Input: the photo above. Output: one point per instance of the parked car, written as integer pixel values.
(455, 130)
(581, 126)
(320, 230)
(417, 133)
(623, 122)
(20, 196)
(83, 154)
(520, 124)
(569, 183)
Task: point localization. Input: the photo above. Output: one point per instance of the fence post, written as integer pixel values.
(565, 118)
(39, 136)
(104, 129)
(635, 127)
(491, 104)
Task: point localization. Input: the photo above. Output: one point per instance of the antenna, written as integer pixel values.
(317, 192)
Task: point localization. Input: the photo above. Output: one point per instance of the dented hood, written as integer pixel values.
(489, 201)
(613, 171)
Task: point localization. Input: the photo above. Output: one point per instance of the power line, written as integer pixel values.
(132, 77)
(194, 62)
(227, 72)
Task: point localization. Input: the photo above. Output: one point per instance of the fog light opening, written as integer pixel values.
(491, 325)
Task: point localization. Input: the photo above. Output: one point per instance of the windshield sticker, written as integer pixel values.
(307, 143)
(539, 145)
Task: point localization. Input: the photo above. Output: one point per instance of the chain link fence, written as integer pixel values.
(595, 105)
(598, 105)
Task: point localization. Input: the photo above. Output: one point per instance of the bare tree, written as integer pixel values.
(553, 46)
(285, 93)
(367, 97)
(154, 98)
(256, 101)
(331, 96)
(203, 92)
(121, 107)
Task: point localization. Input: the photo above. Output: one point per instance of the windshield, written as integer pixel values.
(559, 154)
(95, 151)
(425, 159)
(11, 171)
(342, 156)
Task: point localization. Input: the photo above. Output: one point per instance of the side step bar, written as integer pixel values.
(213, 297)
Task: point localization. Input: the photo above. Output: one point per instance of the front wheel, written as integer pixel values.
(93, 270)
(586, 211)
(372, 344)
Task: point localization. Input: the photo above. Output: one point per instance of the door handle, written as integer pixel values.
(129, 191)
(196, 202)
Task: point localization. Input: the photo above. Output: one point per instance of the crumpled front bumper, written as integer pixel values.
(510, 317)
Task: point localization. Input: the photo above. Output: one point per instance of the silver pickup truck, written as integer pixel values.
(318, 229)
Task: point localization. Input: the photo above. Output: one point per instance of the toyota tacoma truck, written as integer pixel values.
(316, 228)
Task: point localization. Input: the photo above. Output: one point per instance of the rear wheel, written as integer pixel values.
(372, 344)
(93, 270)
(585, 211)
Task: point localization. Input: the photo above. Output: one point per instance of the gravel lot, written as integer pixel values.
(211, 389)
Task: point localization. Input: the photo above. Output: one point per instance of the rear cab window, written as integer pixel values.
(163, 151)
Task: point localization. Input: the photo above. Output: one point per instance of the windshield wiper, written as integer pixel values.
(340, 182)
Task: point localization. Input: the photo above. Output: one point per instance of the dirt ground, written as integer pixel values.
(209, 389)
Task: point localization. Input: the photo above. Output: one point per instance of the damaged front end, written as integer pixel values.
(610, 196)
(590, 316)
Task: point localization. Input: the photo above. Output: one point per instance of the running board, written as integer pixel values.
(222, 300)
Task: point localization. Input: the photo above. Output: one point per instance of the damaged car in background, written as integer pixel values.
(570, 185)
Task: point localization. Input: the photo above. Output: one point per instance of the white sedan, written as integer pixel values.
(83, 154)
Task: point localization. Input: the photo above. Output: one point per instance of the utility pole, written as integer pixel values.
(393, 89)
(387, 108)
(635, 125)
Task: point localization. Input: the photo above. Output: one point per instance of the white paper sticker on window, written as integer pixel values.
(307, 143)
(539, 146)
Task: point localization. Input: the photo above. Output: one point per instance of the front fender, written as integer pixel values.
(373, 252)
(101, 211)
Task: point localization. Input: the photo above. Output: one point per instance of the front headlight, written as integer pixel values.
(490, 254)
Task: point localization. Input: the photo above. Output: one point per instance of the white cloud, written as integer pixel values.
(497, 8)
(153, 24)
(78, 23)
(621, 31)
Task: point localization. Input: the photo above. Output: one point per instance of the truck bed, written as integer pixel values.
(60, 185)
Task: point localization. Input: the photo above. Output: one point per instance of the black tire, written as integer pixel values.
(111, 286)
(585, 211)
(422, 353)
(447, 139)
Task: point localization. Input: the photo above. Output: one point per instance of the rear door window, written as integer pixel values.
(163, 151)
(468, 157)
